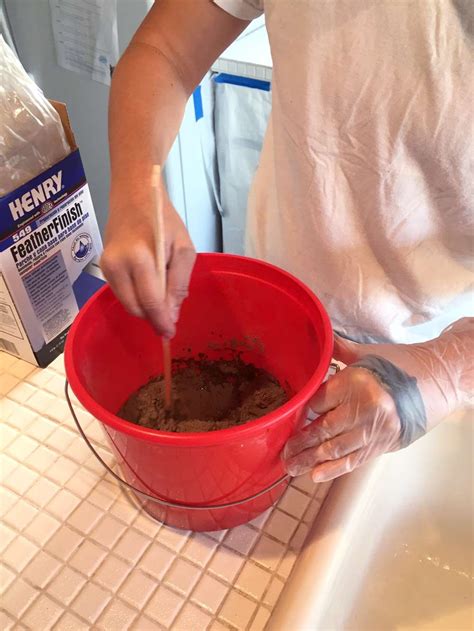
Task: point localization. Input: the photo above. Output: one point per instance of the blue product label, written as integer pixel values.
(50, 292)
(48, 251)
(40, 195)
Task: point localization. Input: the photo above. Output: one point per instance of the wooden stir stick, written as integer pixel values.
(161, 264)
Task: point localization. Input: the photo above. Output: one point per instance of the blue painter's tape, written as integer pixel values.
(197, 100)
(245, 82)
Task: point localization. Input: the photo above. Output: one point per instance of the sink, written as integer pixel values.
(392, 547)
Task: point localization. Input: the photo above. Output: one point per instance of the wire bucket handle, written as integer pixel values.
(153, 498)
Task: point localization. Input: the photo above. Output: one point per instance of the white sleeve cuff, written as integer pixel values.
(242, 9)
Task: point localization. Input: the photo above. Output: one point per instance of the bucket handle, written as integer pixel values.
(153, 498)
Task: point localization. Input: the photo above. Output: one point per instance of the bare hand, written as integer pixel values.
(129, 262)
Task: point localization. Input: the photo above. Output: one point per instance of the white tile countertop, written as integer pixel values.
(77, 553)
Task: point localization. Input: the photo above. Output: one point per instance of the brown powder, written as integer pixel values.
(207, 395)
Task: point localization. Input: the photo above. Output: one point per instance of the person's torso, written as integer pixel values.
(364, 186)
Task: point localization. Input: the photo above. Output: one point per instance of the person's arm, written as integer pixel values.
(167, 57)
(388, 396)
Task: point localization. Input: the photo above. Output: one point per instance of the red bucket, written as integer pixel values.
(213, 480)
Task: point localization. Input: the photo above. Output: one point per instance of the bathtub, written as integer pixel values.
(392, 548)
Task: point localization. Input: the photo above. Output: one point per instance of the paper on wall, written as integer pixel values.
(85, 36)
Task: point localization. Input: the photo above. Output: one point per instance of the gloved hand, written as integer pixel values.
(388, 396)
(129, 262)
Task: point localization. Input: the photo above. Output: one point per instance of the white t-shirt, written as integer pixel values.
(365, 183)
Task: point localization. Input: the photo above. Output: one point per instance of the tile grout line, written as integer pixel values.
(273, 573)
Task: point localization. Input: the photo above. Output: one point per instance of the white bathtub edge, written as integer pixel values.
(304, 599)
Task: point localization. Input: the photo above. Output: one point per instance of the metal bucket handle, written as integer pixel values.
(153, 498)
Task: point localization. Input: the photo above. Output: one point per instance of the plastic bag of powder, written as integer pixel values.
(31, 133)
